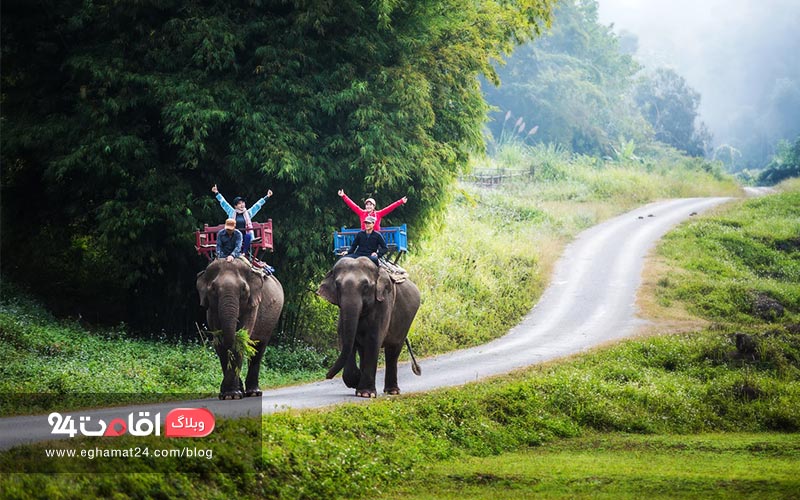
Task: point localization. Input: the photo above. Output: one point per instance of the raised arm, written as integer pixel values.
(260, 203)
(350, 203)
(386, 210)
(222, 201)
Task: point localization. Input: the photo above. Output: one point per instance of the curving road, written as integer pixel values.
(591, 300)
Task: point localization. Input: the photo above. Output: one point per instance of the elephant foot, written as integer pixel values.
(392, 391)
(253, 393)
(230, 395)
(366, 393)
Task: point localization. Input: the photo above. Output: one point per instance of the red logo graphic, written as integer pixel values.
(117, 427)
(189, 422)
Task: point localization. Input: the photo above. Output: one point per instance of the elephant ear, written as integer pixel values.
(203, 289)
(255, 283)
(383, 287)
(327, 289)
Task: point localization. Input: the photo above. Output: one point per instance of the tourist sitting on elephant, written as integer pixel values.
(242, 215)
(368, 243)
(369, 209)
(229, 241)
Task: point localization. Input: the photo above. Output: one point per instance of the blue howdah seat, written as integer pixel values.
(396, 239)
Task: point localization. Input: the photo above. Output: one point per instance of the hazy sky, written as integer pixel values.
(731, 51)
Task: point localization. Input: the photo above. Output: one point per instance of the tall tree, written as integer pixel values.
(670, 106)
(119, 116)
(785, 163)
(574, 84)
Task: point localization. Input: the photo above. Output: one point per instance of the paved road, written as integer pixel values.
(591, 300)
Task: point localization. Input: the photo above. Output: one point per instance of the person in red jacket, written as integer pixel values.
(369, 209)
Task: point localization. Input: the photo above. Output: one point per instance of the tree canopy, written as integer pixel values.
(575, 85)
(670, 106)
(118, 117)
(578, 86)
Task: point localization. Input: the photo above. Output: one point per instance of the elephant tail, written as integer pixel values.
(414, 365)
(338, 365)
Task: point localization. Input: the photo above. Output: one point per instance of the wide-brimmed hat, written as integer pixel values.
(230, 224)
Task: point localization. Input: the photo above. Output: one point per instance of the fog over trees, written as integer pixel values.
(578, 87)
(740, 55)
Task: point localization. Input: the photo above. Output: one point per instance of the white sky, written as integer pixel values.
(728, 50)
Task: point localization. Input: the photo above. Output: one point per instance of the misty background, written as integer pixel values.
(742, 56)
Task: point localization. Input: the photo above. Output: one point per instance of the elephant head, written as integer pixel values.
(231, 292)
(374, 312)
(235, 297)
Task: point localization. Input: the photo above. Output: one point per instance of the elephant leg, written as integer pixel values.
(390, 381)
(253, 369)
(351, 374)
(231, 387)
(369, 366)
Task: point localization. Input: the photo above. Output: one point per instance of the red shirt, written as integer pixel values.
(378, 214)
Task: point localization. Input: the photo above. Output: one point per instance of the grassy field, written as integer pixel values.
(655, 392)
(42, 355)
(615, 465)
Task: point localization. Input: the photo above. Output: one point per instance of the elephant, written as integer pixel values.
(374, 312)
(237, 297)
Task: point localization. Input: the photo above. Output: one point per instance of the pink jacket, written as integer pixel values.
(378, 214)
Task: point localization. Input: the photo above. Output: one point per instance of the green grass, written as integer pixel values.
(42, 355)
(618, 466)
(655, 386)
(741, 266)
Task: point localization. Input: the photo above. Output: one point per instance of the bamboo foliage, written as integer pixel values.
(119, 116)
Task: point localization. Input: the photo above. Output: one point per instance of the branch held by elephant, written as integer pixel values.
(242, 346)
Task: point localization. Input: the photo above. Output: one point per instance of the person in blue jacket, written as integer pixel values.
(241, 214)
(229, 242)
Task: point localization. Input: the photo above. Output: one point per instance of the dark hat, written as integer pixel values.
(237, 200)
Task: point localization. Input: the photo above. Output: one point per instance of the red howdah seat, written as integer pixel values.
(206, 239)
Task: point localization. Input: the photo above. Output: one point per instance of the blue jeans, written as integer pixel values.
(246, 243)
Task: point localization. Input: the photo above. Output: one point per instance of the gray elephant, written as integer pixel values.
(374, 312)
(236, 297)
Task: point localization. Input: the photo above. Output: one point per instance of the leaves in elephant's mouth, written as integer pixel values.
(242, 345)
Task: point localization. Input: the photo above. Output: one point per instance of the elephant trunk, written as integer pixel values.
(229, 320)
(348, 324)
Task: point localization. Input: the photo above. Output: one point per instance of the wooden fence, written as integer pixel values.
(490, 177)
